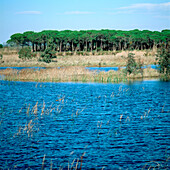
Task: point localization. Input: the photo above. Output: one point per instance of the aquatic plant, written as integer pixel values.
(74, 74)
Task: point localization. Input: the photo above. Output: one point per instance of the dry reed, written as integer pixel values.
(74, 74)
(10, 58)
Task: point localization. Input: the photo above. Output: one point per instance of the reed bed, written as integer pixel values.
(74, 74)
(147, 73)
(103, 59)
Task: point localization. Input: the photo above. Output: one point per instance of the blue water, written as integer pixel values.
(117, 126)
(90, 68)
(20, 68)
(117, 68)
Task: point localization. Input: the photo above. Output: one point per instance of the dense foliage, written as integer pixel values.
(1, 56)
(49, 53)
(1, 46)
(163, 58)
(90, 40)
(25, 53)
(131, 63)
(133, 66)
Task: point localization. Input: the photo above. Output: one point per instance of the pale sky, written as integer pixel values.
(18, 16)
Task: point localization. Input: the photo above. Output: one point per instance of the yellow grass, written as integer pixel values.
(119, 59)
(73, 74)
(73, 67)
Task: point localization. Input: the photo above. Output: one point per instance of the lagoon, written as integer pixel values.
(89, 68)
(114, 125)
(117, 68)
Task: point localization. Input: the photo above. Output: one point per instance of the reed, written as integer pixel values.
(75, 74)
(110, 58)
(43, 162)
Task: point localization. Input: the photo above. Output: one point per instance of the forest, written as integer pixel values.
(90, 40)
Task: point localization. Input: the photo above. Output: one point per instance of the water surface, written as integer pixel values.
(20, 68)
(117, 68)
(89, 68)
(118, 126)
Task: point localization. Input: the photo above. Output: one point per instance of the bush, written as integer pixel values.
(1, 56)
(69, 53)
(139, 67)
(93, 52)
(60, 53)
(131, 64)
(25, 53)
(79, 53)
(49, 53)
(163, 58)
(1, 46)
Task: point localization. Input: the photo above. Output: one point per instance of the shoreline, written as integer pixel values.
(74, 68)
(75, 74)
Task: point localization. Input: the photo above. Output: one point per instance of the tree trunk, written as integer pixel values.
(91, 45)
(60, 46)
(154, 46)
(44, 46)
(72, 46)
(96, 45)
(114, 49)
(33, 47)
(79, 46)
(86, 45)
(125, 45)
(119, 45)
(101, 45)
(40, 46)
(36, 47)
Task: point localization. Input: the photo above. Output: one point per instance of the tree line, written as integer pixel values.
(90, 40)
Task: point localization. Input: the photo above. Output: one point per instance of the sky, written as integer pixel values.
(18, 16)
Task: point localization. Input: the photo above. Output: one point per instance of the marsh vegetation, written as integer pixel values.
(89, 119)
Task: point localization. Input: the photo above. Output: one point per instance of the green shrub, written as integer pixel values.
(1, 56)
(25, 53)
(49, 53)
(163, 58)
(139, 67)
(1, 46)
(131, 64)
(69, 53)
(60, 54)
(114, 52)
(93, 52)
(79, 52)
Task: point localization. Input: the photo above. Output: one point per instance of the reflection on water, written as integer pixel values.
(116, 125)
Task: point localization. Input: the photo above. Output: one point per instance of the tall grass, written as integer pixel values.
(74, 74)
(102, 58)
